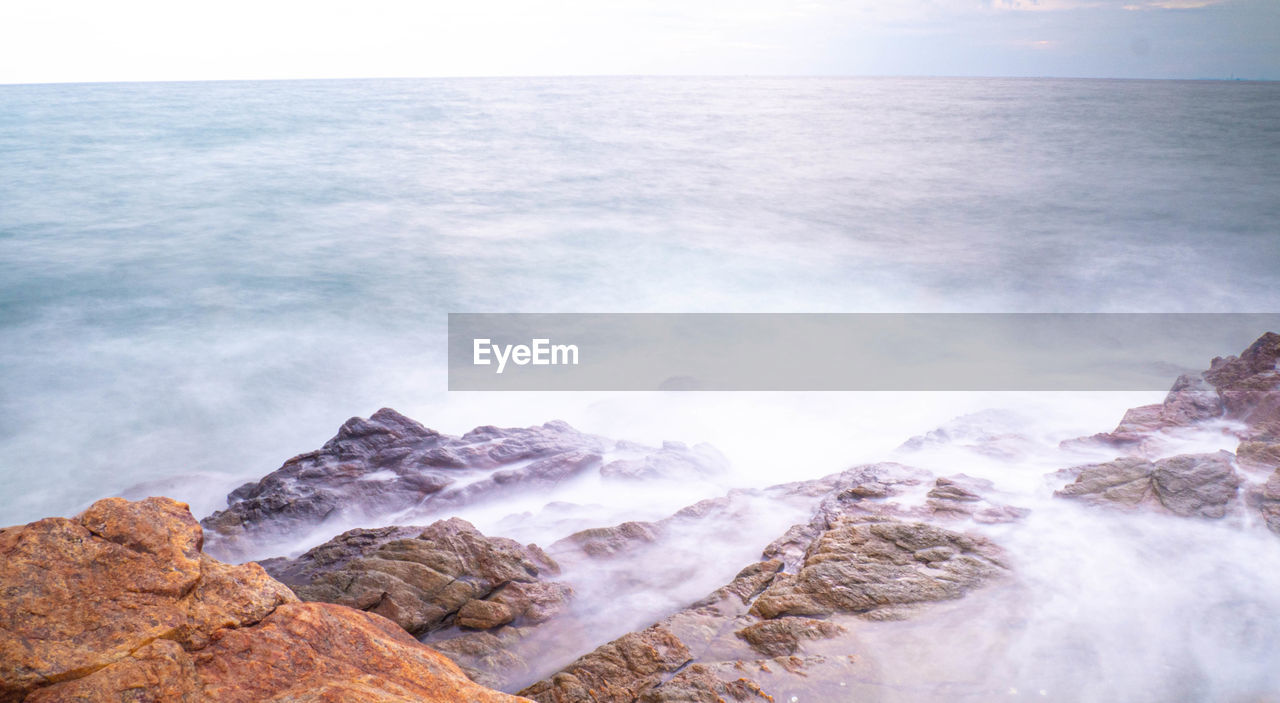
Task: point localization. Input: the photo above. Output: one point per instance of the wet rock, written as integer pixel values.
(120, 604)
(782, 636)
(421, 583)
(1189, 485)
(648, 665)
(875, 568)
(699, 683)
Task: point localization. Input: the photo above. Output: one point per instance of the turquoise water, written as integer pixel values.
(201, 280)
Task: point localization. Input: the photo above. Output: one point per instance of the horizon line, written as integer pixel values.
(1231, 79)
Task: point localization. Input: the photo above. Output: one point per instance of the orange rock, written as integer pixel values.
(120, 604)
(321, 651)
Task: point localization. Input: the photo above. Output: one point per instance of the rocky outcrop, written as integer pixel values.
(1245, 389)
(120, 604)
(1188, 485)
(389, 464)
(878, 570)
(448, 581)
(445, 573)
(852, 561)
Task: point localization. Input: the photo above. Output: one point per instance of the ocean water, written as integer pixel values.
(198, 281)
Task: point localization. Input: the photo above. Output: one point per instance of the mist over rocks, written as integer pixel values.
(120, 604)
(389, 468)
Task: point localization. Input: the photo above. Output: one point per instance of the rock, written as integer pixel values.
(1244, 388)
(674, 460)
(874, 568)
(961, 497)
(618, 671)
(603, 542)
(421, 583)
(120, 604)
(1188, 485)
(388, 464)
(699, 683)
(1125, 481)
(782, 636)
(483, 615)
(1196, 485)
(1259, 455)
(1266, 499)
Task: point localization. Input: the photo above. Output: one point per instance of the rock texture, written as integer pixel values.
(1188, 485)
(424, 582)
(447, 580)
(120, 604)
(877, 568)
(389, 463)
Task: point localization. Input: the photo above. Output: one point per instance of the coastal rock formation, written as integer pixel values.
(1188, 485)
(389, 464)
(446, 580)
(120, 604)
(445, 573)
(851, 561)
(1244, 389)
(876, 569)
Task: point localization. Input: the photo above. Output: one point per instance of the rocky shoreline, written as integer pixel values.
(128, 602)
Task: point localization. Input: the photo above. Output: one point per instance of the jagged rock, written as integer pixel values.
(1244, 388)
(388, 464)
(421, 583)
(120, 604)
(875, 568)
(1188, 485)
(782, 636)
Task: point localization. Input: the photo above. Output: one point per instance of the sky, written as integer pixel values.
(134, 40)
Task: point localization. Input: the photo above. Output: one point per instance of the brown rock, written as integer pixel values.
(422, 582)
(781, 637)
(616, 672)
(865, 567)
(1188, 485)
(323, 652)
(483, 615)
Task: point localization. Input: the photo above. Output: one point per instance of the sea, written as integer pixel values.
(201, 280)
